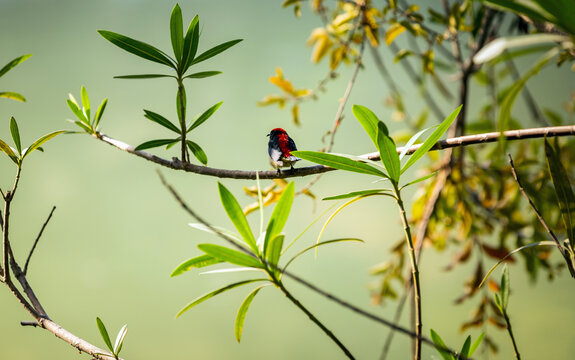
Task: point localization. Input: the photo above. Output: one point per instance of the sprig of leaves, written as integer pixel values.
(115, 350)
(17, 154)
(466, 351)
(184, 47)
(83, 112)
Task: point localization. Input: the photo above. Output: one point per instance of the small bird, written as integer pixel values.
(280, 147)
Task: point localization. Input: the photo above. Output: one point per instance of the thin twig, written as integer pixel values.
(298, 279)
(467, 140)
(541, 220)
(37, 239)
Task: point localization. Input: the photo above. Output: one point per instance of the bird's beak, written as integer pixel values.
(268, 134)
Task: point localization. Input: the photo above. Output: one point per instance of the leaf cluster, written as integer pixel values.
(115, 350)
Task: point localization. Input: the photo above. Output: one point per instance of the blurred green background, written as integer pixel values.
(117, 234)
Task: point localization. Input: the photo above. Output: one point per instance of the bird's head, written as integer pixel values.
(276, 132)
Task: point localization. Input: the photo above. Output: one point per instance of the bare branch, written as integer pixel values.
(37, 239)
(467, 140)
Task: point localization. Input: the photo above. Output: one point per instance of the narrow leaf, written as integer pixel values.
(465, 348)
(120, 339)
(205, 116)
(202, 74)
(138, 48)
(215, 51)
(197, 262)
(357, 193)
(210, 295)
(144, 76)
(198, 152)
(499, 45)
(476, 344)
(504, 291)
(12, 95)
(563, 189)
(279, 216)
(368, 121)
(191, 41)
(15, 135)
(177, 32)
(338, 162)
(99, 114)
(220, 230)
(230, 255)
(159, 119)
(13, 64)
(76, 110)
(36, 144)
(104, 334)
(315, 246)
(274, 250)
(439, 342)
(412, 141)
(155, 143)
(236, 215)
(432, 139)
(8, 151)
(243, 310)
(85, 102)
(423, 178)
(388, 153)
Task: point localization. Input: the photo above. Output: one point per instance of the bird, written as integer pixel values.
(280, 147)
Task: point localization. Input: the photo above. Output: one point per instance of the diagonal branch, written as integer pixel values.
(467, 140)
(36, 241)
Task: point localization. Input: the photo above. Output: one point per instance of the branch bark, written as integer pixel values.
(175, 164)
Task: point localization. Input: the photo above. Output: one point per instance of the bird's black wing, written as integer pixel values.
(291, 145)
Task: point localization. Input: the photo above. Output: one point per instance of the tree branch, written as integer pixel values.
(467, 140)
(36, 241)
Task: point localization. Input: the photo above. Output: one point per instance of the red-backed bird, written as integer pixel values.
(280, 147)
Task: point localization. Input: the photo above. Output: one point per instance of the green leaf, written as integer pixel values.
(412, 141)
(210, 295)
(500, 45)
(439, 342)
(515, 90)
(159, 119)
(314, 246)
(36, 144)
(388, 153)
(369, 121)
(202, 74)
(191, 41)
(181, 101)
(197, 262)
(338, 162)
(230, 255)
(279, 216)
(15, 135)
(243, 310)
(85, 127)
(198, 152)
(120, 339)
(504, 290)
(423, 178)
(274, 250)
(99, 114)
(155, 143)
(144, 76)
(225, 232)
(8, 151)
(563, 189)
(85, 102)
(432, 139)
(237, 216)
(357, 193)
(104, 334)
(215, 51)
(177, 32)
(205, 116)
(465, 348)
(138, 48)
(475, 344)
(76, 110)
(13, 64)
(12, 95)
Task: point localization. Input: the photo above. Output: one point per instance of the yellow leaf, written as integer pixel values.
(322, 43)
(281, 82)
(295, 114)
(336, 56)
(272, 99)
(372, 36)
(392, 32)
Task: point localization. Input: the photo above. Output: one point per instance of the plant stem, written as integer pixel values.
(182, 117)
(414, 272)
(510, 331)
(314, 319)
